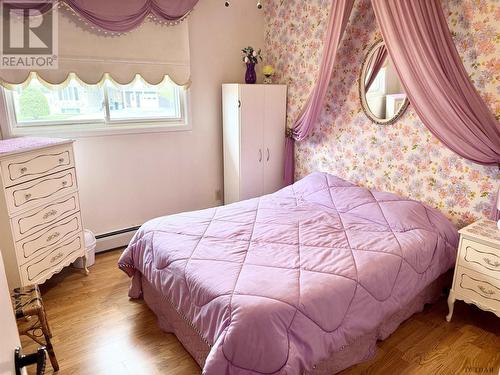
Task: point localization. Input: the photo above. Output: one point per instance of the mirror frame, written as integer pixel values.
(362, 93)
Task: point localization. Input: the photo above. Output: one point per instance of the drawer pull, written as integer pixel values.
(64, 183)
(61, 160)
(486, 291)
(52, 236)
(49, 214)
(23, 170)
(27, 196)
(489, 262)
(56, 257)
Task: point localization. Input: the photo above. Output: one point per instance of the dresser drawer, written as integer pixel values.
(41, 217)
(480, 258)
(36, 164)
(42, 267)
(477, 288)
(44, 240)
(39, 192)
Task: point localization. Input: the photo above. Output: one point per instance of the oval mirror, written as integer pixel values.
(382, 95)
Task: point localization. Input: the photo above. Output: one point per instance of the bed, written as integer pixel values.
(304, 280)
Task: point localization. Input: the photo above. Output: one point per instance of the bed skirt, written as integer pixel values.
(361, 350)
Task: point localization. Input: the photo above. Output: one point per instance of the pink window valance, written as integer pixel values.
(152, 51)
(120, 15)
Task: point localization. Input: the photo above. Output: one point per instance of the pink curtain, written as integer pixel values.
(495, 213)
(418, 40)
(376, 63)
(339, 16)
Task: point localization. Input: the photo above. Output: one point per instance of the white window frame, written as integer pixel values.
(89, 128)
(380, 89)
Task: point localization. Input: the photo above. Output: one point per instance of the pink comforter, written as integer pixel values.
(277, 283)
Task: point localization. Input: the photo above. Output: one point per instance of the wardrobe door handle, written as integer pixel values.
(260, 155)
(268, 155)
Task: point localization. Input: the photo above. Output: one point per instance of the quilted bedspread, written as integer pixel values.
(276, 284)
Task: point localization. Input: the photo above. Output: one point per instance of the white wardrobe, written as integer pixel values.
(254, 139)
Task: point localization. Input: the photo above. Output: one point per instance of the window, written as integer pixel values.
(38, 107)
(378, 85)
(139, 101)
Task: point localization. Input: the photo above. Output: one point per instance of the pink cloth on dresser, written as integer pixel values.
(278, 283)
(18, 144)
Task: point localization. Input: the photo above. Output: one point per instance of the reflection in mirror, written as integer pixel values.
(381, 92)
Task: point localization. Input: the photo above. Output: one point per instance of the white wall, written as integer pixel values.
(10, 338)
(127, 179)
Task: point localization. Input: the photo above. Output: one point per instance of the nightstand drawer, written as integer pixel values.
(480, 258)
(44, 240)
(44, 266)
(477, 288)
(32, 221)
(36, 164)
(40, 191)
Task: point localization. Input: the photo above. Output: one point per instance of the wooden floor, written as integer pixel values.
(98, 330)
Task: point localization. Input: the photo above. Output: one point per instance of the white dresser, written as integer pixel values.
(41, 228)
(477, 271)
(254, 139)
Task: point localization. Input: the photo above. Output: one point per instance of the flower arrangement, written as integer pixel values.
(251, 56)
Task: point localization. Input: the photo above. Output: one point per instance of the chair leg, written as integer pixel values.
(47, 334)
(45, 322)
(52, 355)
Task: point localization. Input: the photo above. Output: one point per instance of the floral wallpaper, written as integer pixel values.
(404, 158)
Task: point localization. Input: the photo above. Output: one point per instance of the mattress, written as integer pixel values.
(277, 284)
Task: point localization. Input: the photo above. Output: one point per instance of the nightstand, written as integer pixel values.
(477, 271)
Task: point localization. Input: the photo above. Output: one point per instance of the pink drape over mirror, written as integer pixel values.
(420, 45)
(339, 16)
(376, 63)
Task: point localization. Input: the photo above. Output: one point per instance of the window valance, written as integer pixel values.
(152, 50)
(118, 15)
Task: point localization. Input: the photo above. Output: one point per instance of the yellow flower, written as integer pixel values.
(268, 70)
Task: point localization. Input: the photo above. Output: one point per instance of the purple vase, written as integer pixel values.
(250, 76)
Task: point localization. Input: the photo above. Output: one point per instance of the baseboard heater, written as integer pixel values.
(115, 239)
